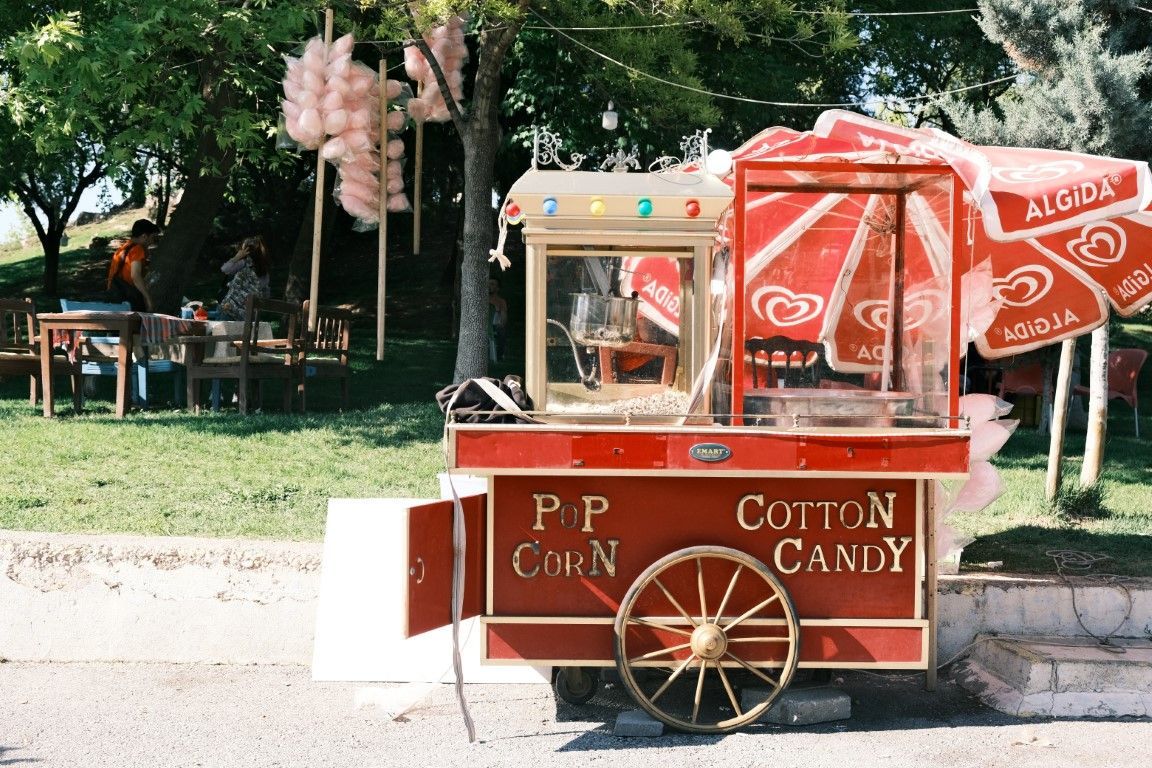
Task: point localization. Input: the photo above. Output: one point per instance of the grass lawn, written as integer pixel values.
(270, 475)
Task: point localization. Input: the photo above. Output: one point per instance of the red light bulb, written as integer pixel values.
(692, 208)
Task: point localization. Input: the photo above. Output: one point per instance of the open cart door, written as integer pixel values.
(430, 557)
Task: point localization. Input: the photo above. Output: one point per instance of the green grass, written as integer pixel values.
(270, 475)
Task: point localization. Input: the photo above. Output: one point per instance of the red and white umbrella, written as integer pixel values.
(1048, 235)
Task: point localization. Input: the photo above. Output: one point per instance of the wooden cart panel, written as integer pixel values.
(571, 546)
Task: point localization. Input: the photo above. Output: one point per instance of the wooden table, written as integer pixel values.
(124, 324)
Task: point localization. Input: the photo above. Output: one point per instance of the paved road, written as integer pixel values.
(159, 715)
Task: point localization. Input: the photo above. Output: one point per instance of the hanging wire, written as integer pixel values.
(747, 100)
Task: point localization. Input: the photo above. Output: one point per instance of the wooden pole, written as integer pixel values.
(1059, 418)
(931, 582)
(318, 215)
(382, 232)
(418, 180)
(1097, 409)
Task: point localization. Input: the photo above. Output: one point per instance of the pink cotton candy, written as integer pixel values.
(315, 54)
(342, 46)
(440, 114)
(339, 66)
(292, 90)
(308, 100)
(394, 170)
(294, 68)
(352, 172)
(988, 437)
(313, 82)
(396, 121)
(394, 186)
(395, 149)
(359, 119)
(398, 203)
(335, 122)
(291, 110)
(309, 129)
(331, 102)
(340, 85)
(357, 141)
(980, 407)
(393, 89)
(982, 488)
(334, 149)
(415, 65)
(418, 110)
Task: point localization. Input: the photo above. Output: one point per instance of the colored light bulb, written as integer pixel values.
(644, 207)
(513, 210)
(597, 207)
(550, 206)
(692, 208)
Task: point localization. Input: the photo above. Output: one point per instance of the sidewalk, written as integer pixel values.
(69, 598)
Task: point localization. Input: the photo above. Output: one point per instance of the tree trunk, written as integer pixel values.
(480, 144)
(1097, 409)
(207, 181)
(51, 246)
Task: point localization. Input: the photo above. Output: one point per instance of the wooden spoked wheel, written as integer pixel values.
(696, 629)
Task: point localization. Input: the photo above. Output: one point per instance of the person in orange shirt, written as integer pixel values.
(126, 280)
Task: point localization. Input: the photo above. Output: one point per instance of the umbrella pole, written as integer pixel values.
(893, 377)
(318, 215)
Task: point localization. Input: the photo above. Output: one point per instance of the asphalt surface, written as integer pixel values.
(160, 715)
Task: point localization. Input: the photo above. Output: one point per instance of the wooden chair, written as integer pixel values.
(800, 361)
(249, 358)
(1123, 374)
(324, 351)
(20, 350)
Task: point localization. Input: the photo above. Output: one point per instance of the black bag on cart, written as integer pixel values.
(487, 401)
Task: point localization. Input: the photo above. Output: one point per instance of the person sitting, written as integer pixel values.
(126, 272)
(249, 269)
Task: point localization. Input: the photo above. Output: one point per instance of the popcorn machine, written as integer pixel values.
(713, 494)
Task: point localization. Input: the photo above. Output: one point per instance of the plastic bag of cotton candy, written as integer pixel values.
(989, 433)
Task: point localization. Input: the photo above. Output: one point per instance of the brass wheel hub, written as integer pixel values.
(709, 641)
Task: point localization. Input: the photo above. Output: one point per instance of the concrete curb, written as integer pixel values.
(67, 598)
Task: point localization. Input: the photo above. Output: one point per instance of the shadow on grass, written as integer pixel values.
(1024, 549)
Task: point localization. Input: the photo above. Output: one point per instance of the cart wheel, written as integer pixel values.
(575, 685)
(695, 623)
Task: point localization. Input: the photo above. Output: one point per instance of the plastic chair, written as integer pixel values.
(1123, 374)
(1025, 380)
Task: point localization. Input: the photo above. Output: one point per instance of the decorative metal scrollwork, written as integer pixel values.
(693, 149)
(546, 151)
(621, 161)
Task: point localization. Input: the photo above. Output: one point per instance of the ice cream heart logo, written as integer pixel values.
(1023, 286)
(781, 307)
(922, 306)
(1029, 174)
(872, 314)
(1099, 244)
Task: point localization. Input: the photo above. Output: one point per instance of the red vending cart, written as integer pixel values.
(703, 501)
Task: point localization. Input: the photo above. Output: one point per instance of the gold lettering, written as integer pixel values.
(875, 507)
(803, 506)
(843, 558)
(859, 514)
(880, 554)
(573, 561)
(759, 499)
(897, 551)
(798, 544)
(517, 564)
(817, 557)
(553, 504)
(552, 563)
(593, 505)
(787, 515)
(600, 556)
(569, 516)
